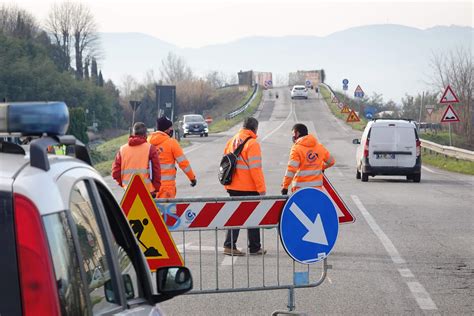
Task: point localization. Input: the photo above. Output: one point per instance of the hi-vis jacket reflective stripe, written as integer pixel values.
(248, 174)
(135, 160)
(170, 154)
(308, 159)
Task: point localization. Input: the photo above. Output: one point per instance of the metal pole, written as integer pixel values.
(450, 139)
(421, 106)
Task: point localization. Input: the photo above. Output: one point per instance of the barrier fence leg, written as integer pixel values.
(291, 299)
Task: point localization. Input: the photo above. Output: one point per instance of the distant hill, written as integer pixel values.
(388, 59)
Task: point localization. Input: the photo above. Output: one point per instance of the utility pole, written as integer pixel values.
(421, 106)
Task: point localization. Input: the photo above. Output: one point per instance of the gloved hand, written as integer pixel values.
(284, 191)
(193, 182)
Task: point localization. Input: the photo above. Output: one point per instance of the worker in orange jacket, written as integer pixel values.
(138, 157)
(170, 153)
(308, 160)
(248, 180)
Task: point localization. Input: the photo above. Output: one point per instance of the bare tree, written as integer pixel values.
(17, 22)
(59, 25)
(456, 69)
(85, 35)
(72, 25)
(174, 69)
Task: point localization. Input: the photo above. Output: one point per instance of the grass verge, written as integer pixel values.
(448, 163)
(223, 124)
(337, 112)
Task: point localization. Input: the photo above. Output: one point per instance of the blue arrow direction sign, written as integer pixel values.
(345, 82)
(309, 226)
(345, 87)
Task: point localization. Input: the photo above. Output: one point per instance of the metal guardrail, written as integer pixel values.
(449, 151)
(245, 106)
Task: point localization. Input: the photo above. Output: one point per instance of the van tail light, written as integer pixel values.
(366, 149)
(38, 287)
(418, 148)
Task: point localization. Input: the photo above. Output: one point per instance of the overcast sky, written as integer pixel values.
(198, 23)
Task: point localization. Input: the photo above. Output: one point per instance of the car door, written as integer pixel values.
(406, 147)
(103, 261)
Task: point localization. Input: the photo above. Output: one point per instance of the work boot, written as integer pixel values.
(258, 252)
(236, 252)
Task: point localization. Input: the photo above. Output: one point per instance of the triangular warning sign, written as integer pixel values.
(429, 110)
(148, 226)
(344, 214)
(359, 89)
(345, 109)
(449, 115)
(335, 100)
(449, 96)
(352, 117)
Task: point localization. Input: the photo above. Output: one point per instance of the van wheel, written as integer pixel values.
(357, 174)
(205, 135)
(409, 177)
(417, 177)
(365, 177)
(201, 135)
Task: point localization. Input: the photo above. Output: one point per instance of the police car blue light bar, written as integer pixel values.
(34, 118)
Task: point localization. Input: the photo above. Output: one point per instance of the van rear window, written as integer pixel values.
(390, 135)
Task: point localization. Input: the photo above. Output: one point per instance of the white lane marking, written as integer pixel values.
(429, 170)
(421, 296)
(228, 260)
(386, 242)
(406, 273)
(191, 247)
(279, 126)
(193, 148)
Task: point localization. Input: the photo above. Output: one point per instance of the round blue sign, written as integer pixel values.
(309, 226)
(345, 82)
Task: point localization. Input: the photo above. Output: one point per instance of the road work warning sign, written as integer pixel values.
(146, 222)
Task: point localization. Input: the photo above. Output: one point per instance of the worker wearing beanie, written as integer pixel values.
(170, 153)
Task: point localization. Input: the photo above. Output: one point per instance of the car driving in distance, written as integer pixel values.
(389, 147)
(67, 247)
(299, 91)
(194, 124)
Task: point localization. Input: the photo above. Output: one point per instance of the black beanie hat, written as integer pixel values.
(162, 124)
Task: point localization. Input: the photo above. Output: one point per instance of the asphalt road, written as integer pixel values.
(410, 251)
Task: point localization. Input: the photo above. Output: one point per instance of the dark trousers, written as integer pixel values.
(253, 234)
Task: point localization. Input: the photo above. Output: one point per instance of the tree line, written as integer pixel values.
(59, 59)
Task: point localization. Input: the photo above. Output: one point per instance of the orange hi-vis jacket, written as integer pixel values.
(308, 159)
(170, 152)
(135, 160)
(248, 174)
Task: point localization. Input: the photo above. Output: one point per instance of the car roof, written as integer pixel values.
(400, 123)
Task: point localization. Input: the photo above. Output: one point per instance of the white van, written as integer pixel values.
(389, 147)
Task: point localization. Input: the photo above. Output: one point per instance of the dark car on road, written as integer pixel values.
(193, 124)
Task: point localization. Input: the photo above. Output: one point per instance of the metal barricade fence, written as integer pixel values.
(198, 226)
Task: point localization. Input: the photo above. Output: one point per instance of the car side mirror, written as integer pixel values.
(172, 281)
(356, 141)
(127, 284)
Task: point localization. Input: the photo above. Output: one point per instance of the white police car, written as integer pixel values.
(66, 246)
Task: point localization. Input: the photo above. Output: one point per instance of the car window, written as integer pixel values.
(128, 253)
(67, 271)
(94, 255)
(193, 119)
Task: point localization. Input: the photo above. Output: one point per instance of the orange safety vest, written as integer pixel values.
(136, 160)
(248, 174)
(308, 159)
(170, 153)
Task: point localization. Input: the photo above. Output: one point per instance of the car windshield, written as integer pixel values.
(193, 119)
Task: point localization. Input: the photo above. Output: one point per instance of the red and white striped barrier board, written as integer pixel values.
(210, 213)
(199, 215)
